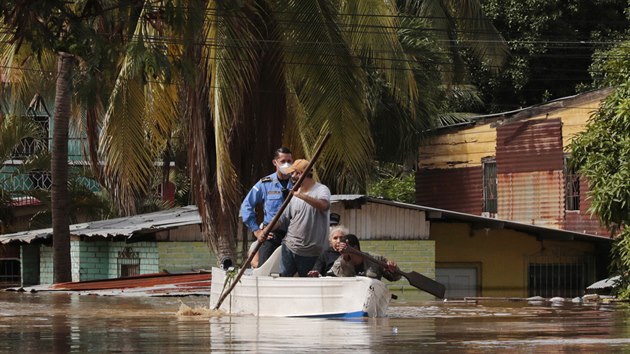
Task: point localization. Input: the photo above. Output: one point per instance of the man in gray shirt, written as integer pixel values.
(306, 221)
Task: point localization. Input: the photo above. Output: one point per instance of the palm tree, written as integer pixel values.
(32, 34)
(254, 75)
(258, 74)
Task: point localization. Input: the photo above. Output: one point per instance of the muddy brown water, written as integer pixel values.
(63, 323)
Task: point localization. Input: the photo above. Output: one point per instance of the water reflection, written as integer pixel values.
(62, 323)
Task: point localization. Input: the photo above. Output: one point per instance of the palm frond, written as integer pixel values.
(234, 60)
(460, 24)
(371, 28)
(328, 85)
(128, 158)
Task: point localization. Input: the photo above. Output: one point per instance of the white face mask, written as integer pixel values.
(283, 167)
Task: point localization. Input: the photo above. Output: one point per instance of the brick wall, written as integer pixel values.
(45, 264)
(98, 259)
(185, 256)
(147, 252)
(93, 259)
(417, 255)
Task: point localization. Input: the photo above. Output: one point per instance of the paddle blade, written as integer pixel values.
(425, 283)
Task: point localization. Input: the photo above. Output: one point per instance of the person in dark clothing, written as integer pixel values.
(326, 260)
(353, 264)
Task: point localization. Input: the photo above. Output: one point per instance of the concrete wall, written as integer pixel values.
(502, 255)
(147, 252)
(185, 256)
(94, 260)
(98, 259)
(416, 255)
(45, 264)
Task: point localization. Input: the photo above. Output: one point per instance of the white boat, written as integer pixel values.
(261, 292)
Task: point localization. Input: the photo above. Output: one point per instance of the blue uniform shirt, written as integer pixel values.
(267, 191)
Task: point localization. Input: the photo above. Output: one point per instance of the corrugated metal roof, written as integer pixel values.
(528, 146)
(159, 284)
(436, 214)
(125, 226)
(605, 283)
(168, 219)
(457, 189)
(374, 221)
(537, 109)
(532, 198)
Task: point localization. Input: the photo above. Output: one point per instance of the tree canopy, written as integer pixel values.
(602, 154)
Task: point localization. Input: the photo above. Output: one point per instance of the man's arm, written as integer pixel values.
(248, 207)
(319, 204)
(320, 199)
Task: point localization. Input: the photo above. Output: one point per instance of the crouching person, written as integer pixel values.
(351, 264)
(323, 265)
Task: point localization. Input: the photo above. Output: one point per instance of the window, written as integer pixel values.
(556, 279)
(489, 185)
(9, 272)
(40, 180)
(31, 146)
(571, 186)
(128, 263)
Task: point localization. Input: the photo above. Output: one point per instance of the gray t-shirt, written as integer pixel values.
(307, 232)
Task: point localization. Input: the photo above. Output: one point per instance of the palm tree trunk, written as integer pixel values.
(59, 170)
(218, 223)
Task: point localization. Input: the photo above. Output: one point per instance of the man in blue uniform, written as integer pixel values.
(269, 192)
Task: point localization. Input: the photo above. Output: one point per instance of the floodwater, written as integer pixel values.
(63, 323)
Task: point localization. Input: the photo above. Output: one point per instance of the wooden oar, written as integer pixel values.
(273, 222)
(415, 279)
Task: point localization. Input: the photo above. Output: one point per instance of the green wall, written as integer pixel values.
(416, 255)
(178, 257)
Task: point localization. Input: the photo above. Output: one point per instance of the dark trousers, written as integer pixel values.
(267, 248)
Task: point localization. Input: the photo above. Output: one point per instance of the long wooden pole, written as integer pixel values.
(273, 221)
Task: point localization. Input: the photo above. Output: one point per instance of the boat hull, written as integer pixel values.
(301, 297)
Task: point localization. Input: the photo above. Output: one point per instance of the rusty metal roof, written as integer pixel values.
(171, 218)
(534, 110)
(126, 226)
(158, 284)
(435, 214)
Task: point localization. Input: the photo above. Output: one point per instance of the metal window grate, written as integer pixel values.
(572, 187)
(557, 276)
(10, 274)
(490, 186)
(30, 146)
(128, 263)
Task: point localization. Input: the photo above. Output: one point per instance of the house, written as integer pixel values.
(512, 167)
(472, 255)
(475, 255)
(167, 240)
(18, 213)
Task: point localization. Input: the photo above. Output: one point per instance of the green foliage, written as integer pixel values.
(85, 204)
(393, 183)
(621, 263)
(602, 154)
(13, 132)
(551, 42)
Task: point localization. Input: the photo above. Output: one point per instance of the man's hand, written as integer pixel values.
(313, 273)
(260, 235)
(392, 266)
